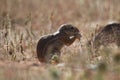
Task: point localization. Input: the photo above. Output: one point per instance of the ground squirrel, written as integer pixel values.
(107, 35)
(52, 44)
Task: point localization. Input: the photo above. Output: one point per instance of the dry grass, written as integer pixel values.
(23, 22)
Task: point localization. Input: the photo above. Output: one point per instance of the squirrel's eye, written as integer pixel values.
(71, 28)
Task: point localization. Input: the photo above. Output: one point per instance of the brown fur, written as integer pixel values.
(109, 34)
(52, 44)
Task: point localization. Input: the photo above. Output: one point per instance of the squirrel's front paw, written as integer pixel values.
(78, 36)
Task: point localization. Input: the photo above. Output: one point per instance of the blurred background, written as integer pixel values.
(45, 13)
(23, 22)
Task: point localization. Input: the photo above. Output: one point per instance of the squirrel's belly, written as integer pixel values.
(53, 49)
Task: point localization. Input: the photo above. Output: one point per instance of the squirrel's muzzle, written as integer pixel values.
(78, 36)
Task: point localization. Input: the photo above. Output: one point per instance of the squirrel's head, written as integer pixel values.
(70, 30)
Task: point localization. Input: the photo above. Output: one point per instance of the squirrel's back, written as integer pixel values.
(41, 46)
(110, 33)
